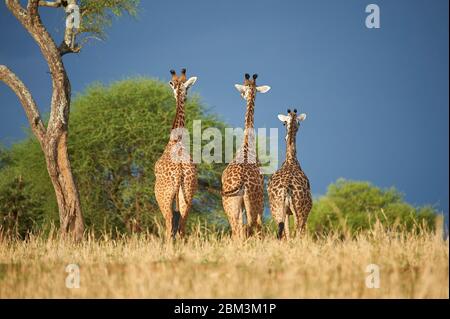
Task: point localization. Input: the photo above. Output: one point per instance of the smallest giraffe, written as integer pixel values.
(289, 188)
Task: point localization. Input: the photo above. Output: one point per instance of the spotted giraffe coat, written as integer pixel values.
(289, 188)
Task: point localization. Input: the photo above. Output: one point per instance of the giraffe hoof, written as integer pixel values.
(280, 230)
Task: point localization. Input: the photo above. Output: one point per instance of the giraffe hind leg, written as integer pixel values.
(165, 205)
(301, 214)
(254, 207)
(233, 208)
(286, 229)
(171, 214)
(184, 204)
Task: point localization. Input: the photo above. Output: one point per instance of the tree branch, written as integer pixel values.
(31, 21)
(19, 12)
(32, 7)
(27, 101)
(51, 4)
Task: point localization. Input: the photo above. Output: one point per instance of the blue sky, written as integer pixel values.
(377, 99)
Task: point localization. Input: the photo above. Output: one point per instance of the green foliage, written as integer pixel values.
(19, 211)
(116, 134)
(25, 160)
(4, 157)
(99, 14)
(351, 206)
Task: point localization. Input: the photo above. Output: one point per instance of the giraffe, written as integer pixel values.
(289, 189)
(242, 182)
(175, 172)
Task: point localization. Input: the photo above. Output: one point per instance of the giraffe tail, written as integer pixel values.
(176, 215)
(175, 223)
(284, 218)
(280, 230)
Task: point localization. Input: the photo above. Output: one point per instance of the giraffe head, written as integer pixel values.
(292, 122)
(180, 85)
(249, 88)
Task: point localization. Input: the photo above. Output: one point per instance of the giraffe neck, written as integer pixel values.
(178, 122)
(249, 115)
(249, 145)
(291, 147)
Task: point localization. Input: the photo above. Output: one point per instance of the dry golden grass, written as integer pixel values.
(208, 266)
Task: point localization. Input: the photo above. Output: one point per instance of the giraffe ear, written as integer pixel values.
(240, 88)
(190, 82)
(301, 117)
(263, 88)
(283, 118)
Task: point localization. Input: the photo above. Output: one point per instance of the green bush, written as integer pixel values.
(116, 134)
(19, 212)
(351, 206)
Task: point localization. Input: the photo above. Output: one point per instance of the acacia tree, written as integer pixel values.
(95, 15)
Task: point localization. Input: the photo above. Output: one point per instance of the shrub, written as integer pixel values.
(352, 206)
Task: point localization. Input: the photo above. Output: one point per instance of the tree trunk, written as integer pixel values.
(67, 196)
(53, 139)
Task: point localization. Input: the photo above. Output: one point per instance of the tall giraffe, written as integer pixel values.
(242, 182)
(289, 189)
(176, 174)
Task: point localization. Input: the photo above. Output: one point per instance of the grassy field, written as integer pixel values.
(212, 266)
